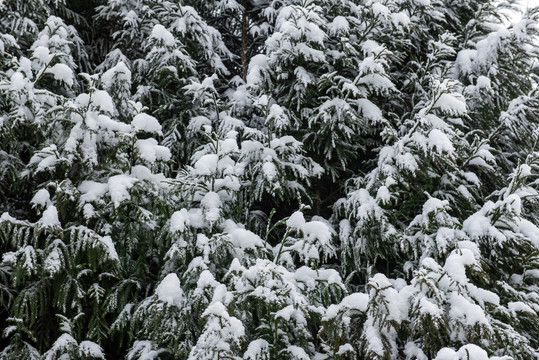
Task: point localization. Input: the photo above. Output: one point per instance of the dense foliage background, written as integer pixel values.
(268, 179)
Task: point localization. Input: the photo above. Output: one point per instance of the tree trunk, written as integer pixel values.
(244, 41)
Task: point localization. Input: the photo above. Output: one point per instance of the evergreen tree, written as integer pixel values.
(260, 179)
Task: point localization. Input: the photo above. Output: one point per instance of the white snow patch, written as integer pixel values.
(369, 110)
(179, 221)
(17, 81)
(356, 301)
(160, 33)
(107, 123)
(41, 198)
(53, 263)
(296, 221)
(270, 170)
(428, 307)
(49, 218)
(257, 349)
(109, 245)
(257, 64)
(297, 353)
(92, 191)
(102, 100)
(211, 202)
(245, 239)
(453, 104)
(464, 310)
(446, 354)
(521, 307)
(42, 54)
(119, 72)
(206, 165)
(472, 352)
(146, 123)
(483, 82)
(89, 349)
(170, 291)
(456, 263)
(150, 151)
(339, 25)
(61, 72)
(478, 225)
(383, 195)
(440, 141)
(119, 186)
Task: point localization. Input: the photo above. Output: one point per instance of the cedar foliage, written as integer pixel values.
(263, 179)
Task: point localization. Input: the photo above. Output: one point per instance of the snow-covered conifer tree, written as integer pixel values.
(268, 179)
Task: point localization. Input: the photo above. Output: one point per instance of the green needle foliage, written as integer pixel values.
(267, 180)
